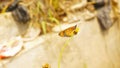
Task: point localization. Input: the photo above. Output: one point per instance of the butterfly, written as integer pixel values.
(46, 66)
(69, 32)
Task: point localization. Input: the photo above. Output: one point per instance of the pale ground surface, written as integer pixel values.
(91, 48)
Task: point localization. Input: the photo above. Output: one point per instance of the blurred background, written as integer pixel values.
(59, 33)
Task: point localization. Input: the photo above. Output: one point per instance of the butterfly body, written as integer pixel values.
(69, 32)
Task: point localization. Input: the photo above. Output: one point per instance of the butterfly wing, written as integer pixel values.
(68, 32)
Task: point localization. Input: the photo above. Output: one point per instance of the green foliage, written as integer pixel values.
(85, 65)
(44, 11)
(55, 3)
(43, 25)
(62, 50)
(52, 18)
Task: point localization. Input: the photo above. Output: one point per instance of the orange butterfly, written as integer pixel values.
(69, 32)
(46, 66)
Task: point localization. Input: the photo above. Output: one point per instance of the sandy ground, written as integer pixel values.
(91, 48)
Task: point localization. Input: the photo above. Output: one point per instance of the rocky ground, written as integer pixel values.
(92, 47)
